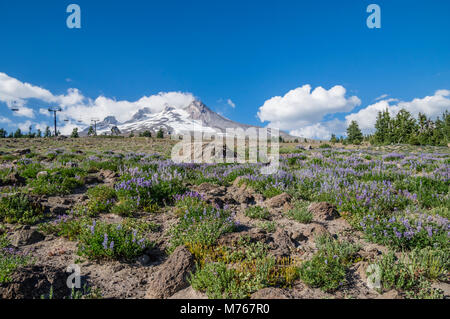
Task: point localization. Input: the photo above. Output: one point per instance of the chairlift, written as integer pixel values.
(14, 108)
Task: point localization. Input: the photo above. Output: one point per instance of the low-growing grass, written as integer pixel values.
(300, 213)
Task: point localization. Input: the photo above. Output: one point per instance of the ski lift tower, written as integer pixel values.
(55, 109)
(95, 120)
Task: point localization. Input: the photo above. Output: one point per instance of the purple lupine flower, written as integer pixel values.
(105, 241)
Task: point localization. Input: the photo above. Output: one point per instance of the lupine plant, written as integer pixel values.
(111, 241)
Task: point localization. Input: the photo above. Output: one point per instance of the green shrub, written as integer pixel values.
(257, 212)
(238, 270)
(10, 260)
(327, 268)
(58, 182)
(29, 171)
(20, 208)
(201, 227)
(189, 201)
(125, 207)
(412, 269)
(101, 199)
(149, 191)
(300, 213)
(218, 281)
(111, 241)
(267, 226)
(67, 226)
(406, 232)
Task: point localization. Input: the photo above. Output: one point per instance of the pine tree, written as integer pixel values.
(3, 133)
(47, 133)
(39, 133)
(383, 128)
(333, 139)
(160, 133)
(446, 126)
(91, 131)
(115, 131)
(404, 126)
(75, 133)
(18, 133)
(354, 135)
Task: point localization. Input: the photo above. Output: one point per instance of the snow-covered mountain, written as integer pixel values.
(194, 117)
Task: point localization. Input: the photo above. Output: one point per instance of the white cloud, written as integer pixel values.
(301, 112)
(44, 112)
(14, 92)
(381, 97)
(231, 103)
(24, 127)
(366, 117)
(68, 128)
(4, 120)
(80, 108)
(322, 130)
(302, 107)
(24, 111)
(432, 106)
(102, 106)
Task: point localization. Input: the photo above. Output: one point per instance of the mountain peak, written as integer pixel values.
(194, 116)
(110, 120)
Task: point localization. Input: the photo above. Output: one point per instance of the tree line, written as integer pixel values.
(30, 134)
(402, 128)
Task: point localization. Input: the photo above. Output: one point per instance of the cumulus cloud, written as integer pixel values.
(24, 111)
(321, 131)
(77, 107)
(14, 93)
(432, 106)
(84, 109)
(301, 111)
(25, 126)
(302, 107)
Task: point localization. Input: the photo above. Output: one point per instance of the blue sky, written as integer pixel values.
(244, 51)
